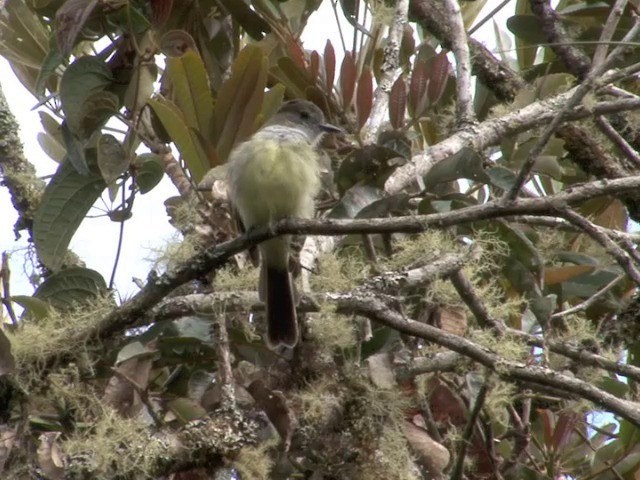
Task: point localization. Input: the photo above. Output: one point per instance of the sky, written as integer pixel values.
(148, 230)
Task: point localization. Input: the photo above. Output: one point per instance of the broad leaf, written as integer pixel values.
(35, 307)
(186, 140)
(112, 158)
(84, 77)
(464, 164)
(149, 170)
(65, 202)
(71, 287)
(240, 100)
(191, 91)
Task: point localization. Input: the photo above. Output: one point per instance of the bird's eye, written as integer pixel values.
(304, 115)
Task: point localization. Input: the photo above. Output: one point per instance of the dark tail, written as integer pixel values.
(282, 323)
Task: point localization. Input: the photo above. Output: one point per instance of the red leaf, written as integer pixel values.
(564, 428)
(297, 54)
(161, 11)
(547, 426)
(364, 96)
(418, 89)
(314, 65)
(329, 65)
(397, 103)
(347, 79)
(438, 76)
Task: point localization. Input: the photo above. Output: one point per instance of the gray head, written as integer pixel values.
(303, 115)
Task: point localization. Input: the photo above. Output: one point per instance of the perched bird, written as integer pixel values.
(271, 176)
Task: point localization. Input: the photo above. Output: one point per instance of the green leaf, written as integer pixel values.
(501, 177)
(613, 386)
(186, 410)
(95, 111)
(370, 164)
(112, 159)
(75, 150)
(51, 62)
(149, 171)
(471, 10)
(70, 287)
(464, 164)
(186, 140)
(35, 307)
(355, 200)
(248, 19)
(25, 40)
(240, 100)
(575, 257)
(527, 28)
(386, 205)
(84, 77)
(525, 54)
(192, 93)
(586, 285)
(290, 75)
(65, 202)
(51, 147)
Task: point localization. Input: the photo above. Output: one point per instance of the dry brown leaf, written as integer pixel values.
(431, 455)
(50, 457)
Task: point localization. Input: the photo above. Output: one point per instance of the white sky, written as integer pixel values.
(96, 239)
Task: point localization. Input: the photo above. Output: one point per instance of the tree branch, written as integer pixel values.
(464, 89)
(18, 175)
(372, 307)
(492, 131)
(389, 68)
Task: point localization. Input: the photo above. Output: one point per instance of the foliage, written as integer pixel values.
(471, 313)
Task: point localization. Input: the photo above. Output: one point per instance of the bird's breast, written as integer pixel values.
(273, 178)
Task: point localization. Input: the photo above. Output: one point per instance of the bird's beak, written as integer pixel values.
(328, 128)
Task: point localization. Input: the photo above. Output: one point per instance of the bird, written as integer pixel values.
(274, 175)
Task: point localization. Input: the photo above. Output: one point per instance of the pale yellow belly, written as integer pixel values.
(271, 180)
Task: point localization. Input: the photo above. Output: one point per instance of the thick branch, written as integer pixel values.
(19, 176)
(380, 108)
(574, 59)
(158, 287)
(464, 89)
(492, 131)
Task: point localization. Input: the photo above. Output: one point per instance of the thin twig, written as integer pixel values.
(608, 31)
(618, 140)
(467, 434)
(465, 289)
(5, 279)
(488, 16)
(120, 241)
(603, 239)
(589, 83)
(508, 370)
(591, 300)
